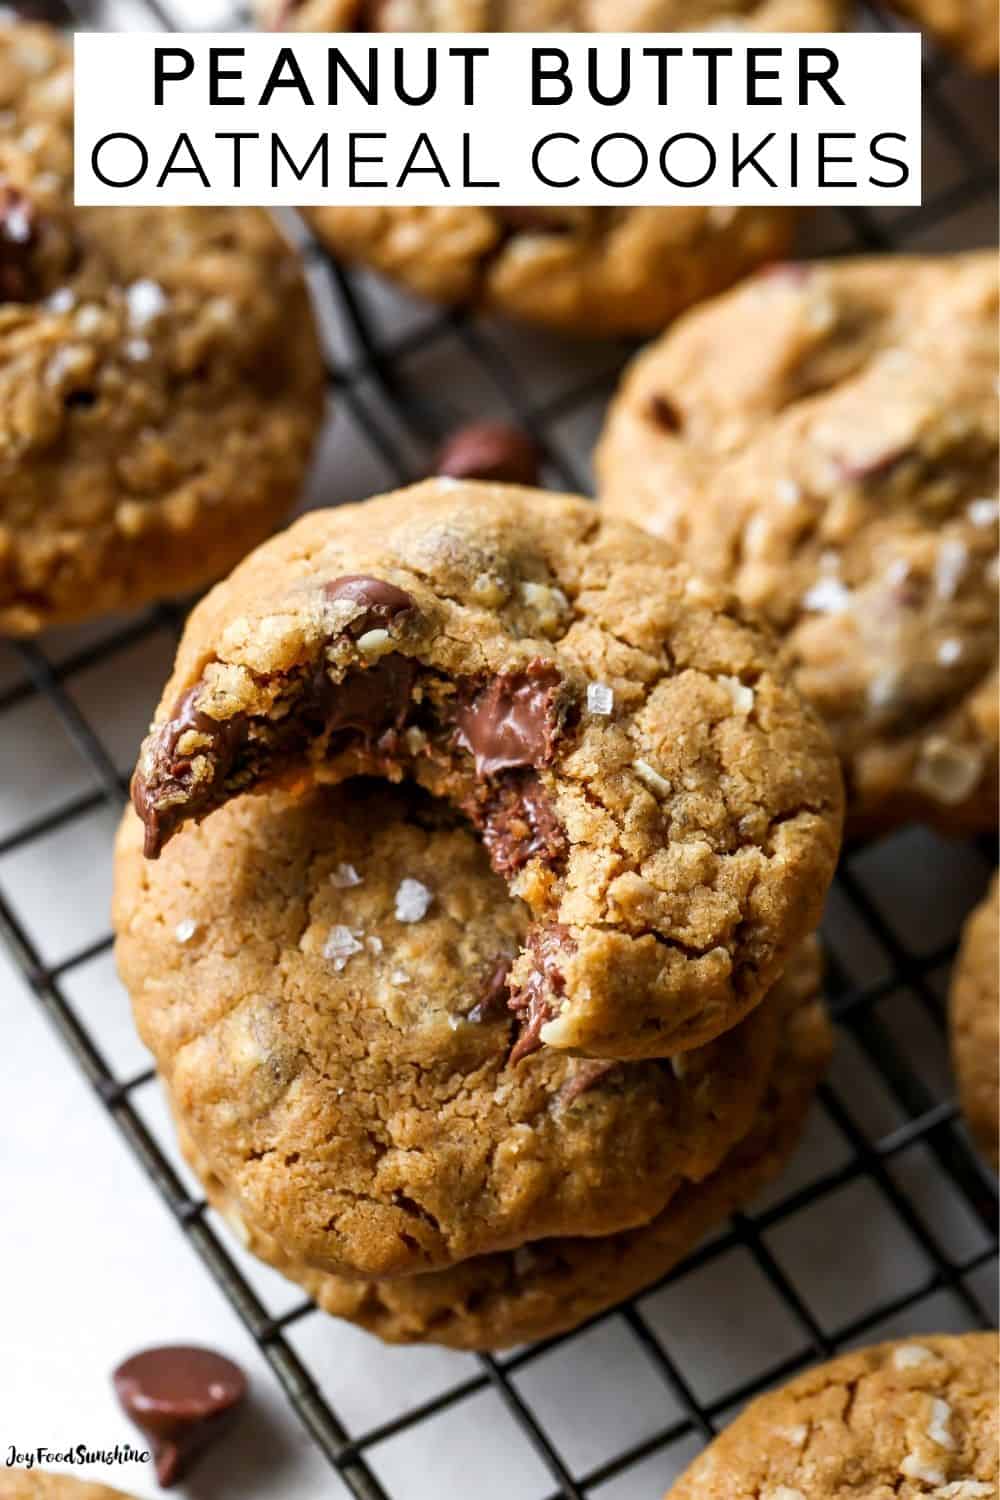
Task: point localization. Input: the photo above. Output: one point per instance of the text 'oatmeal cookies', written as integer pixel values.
(626, 746)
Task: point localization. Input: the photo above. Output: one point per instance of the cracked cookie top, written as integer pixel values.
(637, 767)
(975, 1023)
(546, 1287)
(160, 379)
(322, 978)
(915, 1420)
(824, 440)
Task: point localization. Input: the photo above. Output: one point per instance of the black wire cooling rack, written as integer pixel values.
(374, 360)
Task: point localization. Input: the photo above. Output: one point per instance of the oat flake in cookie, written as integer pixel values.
(160, 379)
(824, 439)
(550, 1286)
(640, 772)
(914, 1420)
(593, 271)
(339, 1041)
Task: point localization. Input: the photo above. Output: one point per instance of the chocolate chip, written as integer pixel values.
(492, 451)
(370, 703)
(182, 1399)
(18, 235)
(379, 601)
(492, 1005)
(587, 1074)
(166, 797)
(517, 824)
(664, 413)
(534, 1004)
(512, 723)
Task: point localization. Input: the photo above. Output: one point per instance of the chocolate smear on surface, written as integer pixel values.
(512, 722)
(183, 1399)
(490, 451)
(535, 1003)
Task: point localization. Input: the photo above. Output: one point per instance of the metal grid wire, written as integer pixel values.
(376, 362)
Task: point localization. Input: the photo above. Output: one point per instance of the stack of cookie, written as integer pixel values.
(466, 907)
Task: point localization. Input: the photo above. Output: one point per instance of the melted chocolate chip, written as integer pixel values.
(664, 413)
(182, 1399)
(587, 1074)
(511, 723)
(534, 1004)
(492, 1005)
(165, 798)
(518, 824)
(379, 601)
(18, 236)
(491, 451)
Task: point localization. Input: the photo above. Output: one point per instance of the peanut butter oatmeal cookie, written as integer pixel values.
(915, 1420)
(824, 440)
(638, 770)
(160, 377)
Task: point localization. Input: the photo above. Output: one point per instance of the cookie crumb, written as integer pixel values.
(375, 643)
(340, 946)
(651, 778)
(796, 1435)
(185, 931)
(600, 698)
(345, 876)
(413, 901)
(374, 944)
(966, 1489)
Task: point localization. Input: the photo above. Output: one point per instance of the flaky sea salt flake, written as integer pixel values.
(600, 698)
(413, 901)
(341, 945)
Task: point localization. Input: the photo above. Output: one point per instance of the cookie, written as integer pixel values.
(594, 271)
(968, 28)
(639, 772)
(35, 1484)
(550, 1287)
(915, 1420)
(824, 439)
(322, 979)
(160, 377)
(975, 1024)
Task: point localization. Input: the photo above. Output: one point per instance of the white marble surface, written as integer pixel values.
(92, 1265)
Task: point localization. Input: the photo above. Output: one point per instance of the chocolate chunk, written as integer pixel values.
(587, 1074)
(534, 1004)
(664, 413)
(369, 702)
(492, 1005)
(166, 796)
(18, 236)
(182, 1399)
(380, 602)
(518, 824)
(492, 451)
(512, 723)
